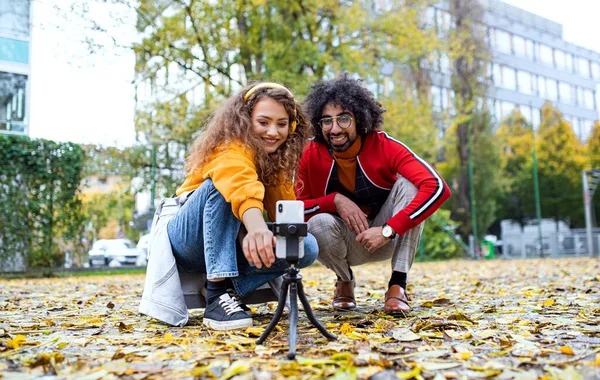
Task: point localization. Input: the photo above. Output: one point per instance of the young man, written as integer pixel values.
(365, 194)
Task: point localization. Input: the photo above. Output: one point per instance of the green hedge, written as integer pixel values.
(40, 211)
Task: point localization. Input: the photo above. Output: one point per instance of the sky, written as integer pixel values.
(89, 98)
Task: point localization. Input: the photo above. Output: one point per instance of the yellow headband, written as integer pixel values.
(273, 85)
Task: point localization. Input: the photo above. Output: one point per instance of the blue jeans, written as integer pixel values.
(204, 234)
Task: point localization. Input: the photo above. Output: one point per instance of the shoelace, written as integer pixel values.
(230, 305)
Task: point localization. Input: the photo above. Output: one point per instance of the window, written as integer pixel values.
(502, 41)
(436, 98)
(577, 126)
(445, 64)
(506, 108)
(586, 129)
(535, 117)
(552, 89)
(588, 99)
(595, 70)
(560, 59)
(564, 92)
(509, 79)
(519, 46)
(12, 101)
(529, 49)
(526, 112)
(569, 62)
(583, 67)
(545, 55)
(542, 87)
(14, 18)
(496, 75)
(525, 83)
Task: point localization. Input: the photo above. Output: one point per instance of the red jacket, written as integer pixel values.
(380, 159)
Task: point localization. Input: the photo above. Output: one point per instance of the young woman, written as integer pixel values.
(242, 163)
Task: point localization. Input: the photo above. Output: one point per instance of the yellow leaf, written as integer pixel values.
(597, 361)
(16, 342)
(168, 336)
(501, 292)
(548, 302)
(464, 355)
(346, 329)
(187, 355)
(332, 325)
(566, 350)
(254, 331)
(409, 374)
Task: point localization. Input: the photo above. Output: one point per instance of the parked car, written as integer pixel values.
(114, 253)
(142, 246)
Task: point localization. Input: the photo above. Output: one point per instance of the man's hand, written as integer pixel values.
(372, 239)
(259, 241)
(355, 218)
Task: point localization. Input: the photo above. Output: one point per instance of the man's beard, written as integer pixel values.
(347, 144)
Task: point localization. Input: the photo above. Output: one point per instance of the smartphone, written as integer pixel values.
(288, 212)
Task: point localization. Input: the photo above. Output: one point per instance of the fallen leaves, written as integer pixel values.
(500, 319)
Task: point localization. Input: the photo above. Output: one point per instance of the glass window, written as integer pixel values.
(579, 99)
(436, 98)
(12, 101)
(586, 129)
(535, 117)
(445, 64)
(506, 108)
(595, 70)
(583, 67)
(519, 46)
(564, 92)
(502, 41)
(526, 112)
(569, 62)
(542, 87)
(509, 79)
(529, 49)
(14, 18)
(560, 59)
(577, 126)
(545, 55)
(588, 98)
(552, 89)
(497, 75)
(525, 83)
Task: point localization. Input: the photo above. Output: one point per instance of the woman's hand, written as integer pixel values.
(259, 241)
(355, 218)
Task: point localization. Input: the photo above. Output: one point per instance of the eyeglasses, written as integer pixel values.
(343, 121)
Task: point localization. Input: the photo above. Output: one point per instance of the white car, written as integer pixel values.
(114, 253)
(142, 246)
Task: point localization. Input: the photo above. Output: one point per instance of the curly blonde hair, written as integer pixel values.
(232, 123)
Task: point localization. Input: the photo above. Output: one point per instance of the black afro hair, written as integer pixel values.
(351, 95)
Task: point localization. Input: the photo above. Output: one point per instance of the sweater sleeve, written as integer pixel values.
(234, 175)
(432, 189)
(312, 205)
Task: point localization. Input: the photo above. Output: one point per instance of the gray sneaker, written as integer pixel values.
(225, 313)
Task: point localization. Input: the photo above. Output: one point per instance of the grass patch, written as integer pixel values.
(72, 273)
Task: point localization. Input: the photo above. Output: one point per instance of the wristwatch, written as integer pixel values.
(388, 232)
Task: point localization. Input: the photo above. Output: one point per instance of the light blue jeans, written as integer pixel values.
(204, 235)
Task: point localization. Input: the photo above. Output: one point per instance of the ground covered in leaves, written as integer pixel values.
(526, 319)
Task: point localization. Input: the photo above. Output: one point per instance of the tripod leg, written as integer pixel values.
(311, 316)
(278, 313)
(293, 320)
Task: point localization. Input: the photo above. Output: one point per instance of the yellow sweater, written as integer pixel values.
(233, 173)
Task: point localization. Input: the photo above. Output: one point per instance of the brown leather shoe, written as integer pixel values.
(343, 298)
(396, 301)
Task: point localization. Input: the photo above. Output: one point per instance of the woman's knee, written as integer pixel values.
(311, 251)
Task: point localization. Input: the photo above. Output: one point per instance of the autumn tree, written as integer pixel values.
(593, 147)
(468, 53)
(560, 162)
(515, 139)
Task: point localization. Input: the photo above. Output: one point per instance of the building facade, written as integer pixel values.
(15, 53)
(531, 64)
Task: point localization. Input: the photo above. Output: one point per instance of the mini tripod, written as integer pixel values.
(292, 280)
